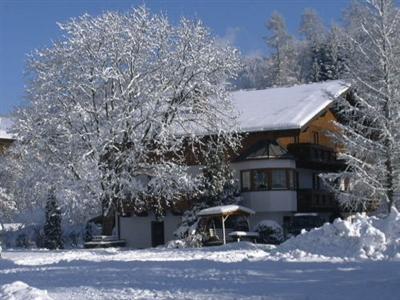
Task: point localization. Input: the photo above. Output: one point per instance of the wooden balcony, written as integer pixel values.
(316, 201)
(313, 156)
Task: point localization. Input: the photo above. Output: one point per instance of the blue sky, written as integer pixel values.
(29, 24)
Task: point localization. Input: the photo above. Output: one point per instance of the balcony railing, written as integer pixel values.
(316, 201)
(315, 156)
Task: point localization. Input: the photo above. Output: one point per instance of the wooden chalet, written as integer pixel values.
(286, 146)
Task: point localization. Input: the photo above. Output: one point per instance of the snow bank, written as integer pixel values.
(359, 237)
(19, 290)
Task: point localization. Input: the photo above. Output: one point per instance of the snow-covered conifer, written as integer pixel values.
(334, 55)
(312, 53)
(52, 227)
(219, 186)
(283, 58)
(254, 74)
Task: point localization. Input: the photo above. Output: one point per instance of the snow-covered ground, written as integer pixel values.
(234, 271)
(357, 258)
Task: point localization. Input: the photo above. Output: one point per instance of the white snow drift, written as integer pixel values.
(359, 237)
(19, 290)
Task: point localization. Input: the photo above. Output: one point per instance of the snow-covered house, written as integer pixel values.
(285, 147)
(5, 137)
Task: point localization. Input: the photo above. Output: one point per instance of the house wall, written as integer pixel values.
(271, 201)
(137, 230)
(269, 205)
(263, 201)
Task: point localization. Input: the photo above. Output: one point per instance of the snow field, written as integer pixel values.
(236, 271)
(349, 259)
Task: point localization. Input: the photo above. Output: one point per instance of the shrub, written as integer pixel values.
(270, 232)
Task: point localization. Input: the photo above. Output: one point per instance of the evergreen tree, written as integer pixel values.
(52, 227)
(219, 186)
(312, 58)
(283, 58)
(333, 55)
(254, 74)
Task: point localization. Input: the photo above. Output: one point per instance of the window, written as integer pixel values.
(296, 139)
(316, 137)
(246, 185)
(260, 180)
(291, 179)
(278, 179)
(268, 179)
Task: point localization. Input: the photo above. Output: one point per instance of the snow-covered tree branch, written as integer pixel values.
(115, 104)
(370, 133)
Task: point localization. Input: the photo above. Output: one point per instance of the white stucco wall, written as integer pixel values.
(267, 201)
(137, 230)
(270, 201)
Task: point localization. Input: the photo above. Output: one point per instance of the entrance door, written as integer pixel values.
(157, 233)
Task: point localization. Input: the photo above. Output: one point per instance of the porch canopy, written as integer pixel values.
(224, 212)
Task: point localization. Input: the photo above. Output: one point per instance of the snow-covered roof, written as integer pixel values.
(284, 107)
(225, 209)
(5, 126)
